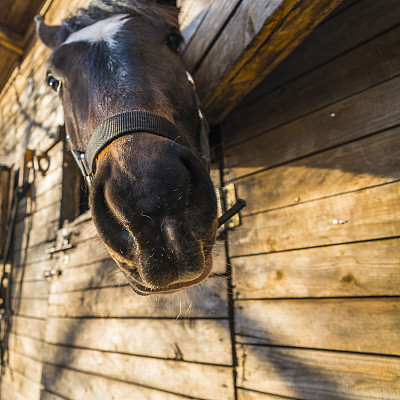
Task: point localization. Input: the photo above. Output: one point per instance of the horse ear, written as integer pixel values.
(51, 36)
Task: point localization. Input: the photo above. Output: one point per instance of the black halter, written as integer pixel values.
(136, 121)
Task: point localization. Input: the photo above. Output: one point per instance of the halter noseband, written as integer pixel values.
(136, 121)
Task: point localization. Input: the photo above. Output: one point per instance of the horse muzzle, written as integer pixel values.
(154, 205)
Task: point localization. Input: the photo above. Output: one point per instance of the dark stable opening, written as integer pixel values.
(75, 193)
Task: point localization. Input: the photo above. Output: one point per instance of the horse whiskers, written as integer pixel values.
(147, 216)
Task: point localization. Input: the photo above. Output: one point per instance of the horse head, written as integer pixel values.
(151, 197)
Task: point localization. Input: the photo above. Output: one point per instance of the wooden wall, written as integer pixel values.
(315, 151)
(314, 309)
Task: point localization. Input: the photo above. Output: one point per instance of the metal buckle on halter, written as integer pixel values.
(80, 159)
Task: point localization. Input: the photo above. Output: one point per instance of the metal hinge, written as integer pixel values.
(226, 198)
(62, 241)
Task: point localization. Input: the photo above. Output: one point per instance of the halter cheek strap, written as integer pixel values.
(136, 121)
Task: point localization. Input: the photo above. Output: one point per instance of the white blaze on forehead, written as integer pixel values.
(101, 31)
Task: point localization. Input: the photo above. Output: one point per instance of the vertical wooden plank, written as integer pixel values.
(5, 186)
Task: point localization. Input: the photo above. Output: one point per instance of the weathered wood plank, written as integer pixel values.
(29, 368)
(314, 375)
(31, 256)
(217, 14)
(357, 269)
(8, 392)
(241, 58)
(33, 271)
(368, 162)
(331, 39)
(78, 385)
(28, 389)
(206, 341)
(191, 15)
(29, 308)
(363, 215)
(359, 325)
(245, 394)
(37, 228)
(360, 115)
(45, 395)
(27, 346)
(172, 376)
(27, 238)
(43, 201)
(208, 301)
(354, 72)
(32, 327)
(40, 218)
(30, 290)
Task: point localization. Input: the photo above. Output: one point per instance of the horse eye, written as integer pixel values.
(173, 41)
(53, 83)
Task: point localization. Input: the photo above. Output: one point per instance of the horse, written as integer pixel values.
(134, 125)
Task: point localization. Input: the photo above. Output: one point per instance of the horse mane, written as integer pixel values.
(101, 9)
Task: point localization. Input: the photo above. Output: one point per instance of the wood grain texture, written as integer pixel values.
(31, 348)
(206, 341)
(31, 290)
(8, 392)
(191, 15)
(335, 36)
(32, 262)
(351, 270)
(245, 394)
(365, 215)
(172, 376)
(46, 395)
(358, 325)
(355, 117)
(29, 368)
(30, 327)
(24, 387)
(36, 308)
(41, 201)
(315, 375)
(364, 163)
(241, 58)
(214, 15)
(40, 238)
(354, 72)
(78, 385)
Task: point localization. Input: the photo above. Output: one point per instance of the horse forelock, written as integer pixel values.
(102, 9)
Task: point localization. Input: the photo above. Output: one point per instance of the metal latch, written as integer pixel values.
(62, 241)
(226, 199)
(52, 272)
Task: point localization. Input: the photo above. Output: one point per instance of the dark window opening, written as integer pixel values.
(75, 193)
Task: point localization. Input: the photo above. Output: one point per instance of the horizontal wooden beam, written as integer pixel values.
(11, 41)
(256, 39)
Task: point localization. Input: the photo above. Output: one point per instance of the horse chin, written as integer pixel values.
(140, 287)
